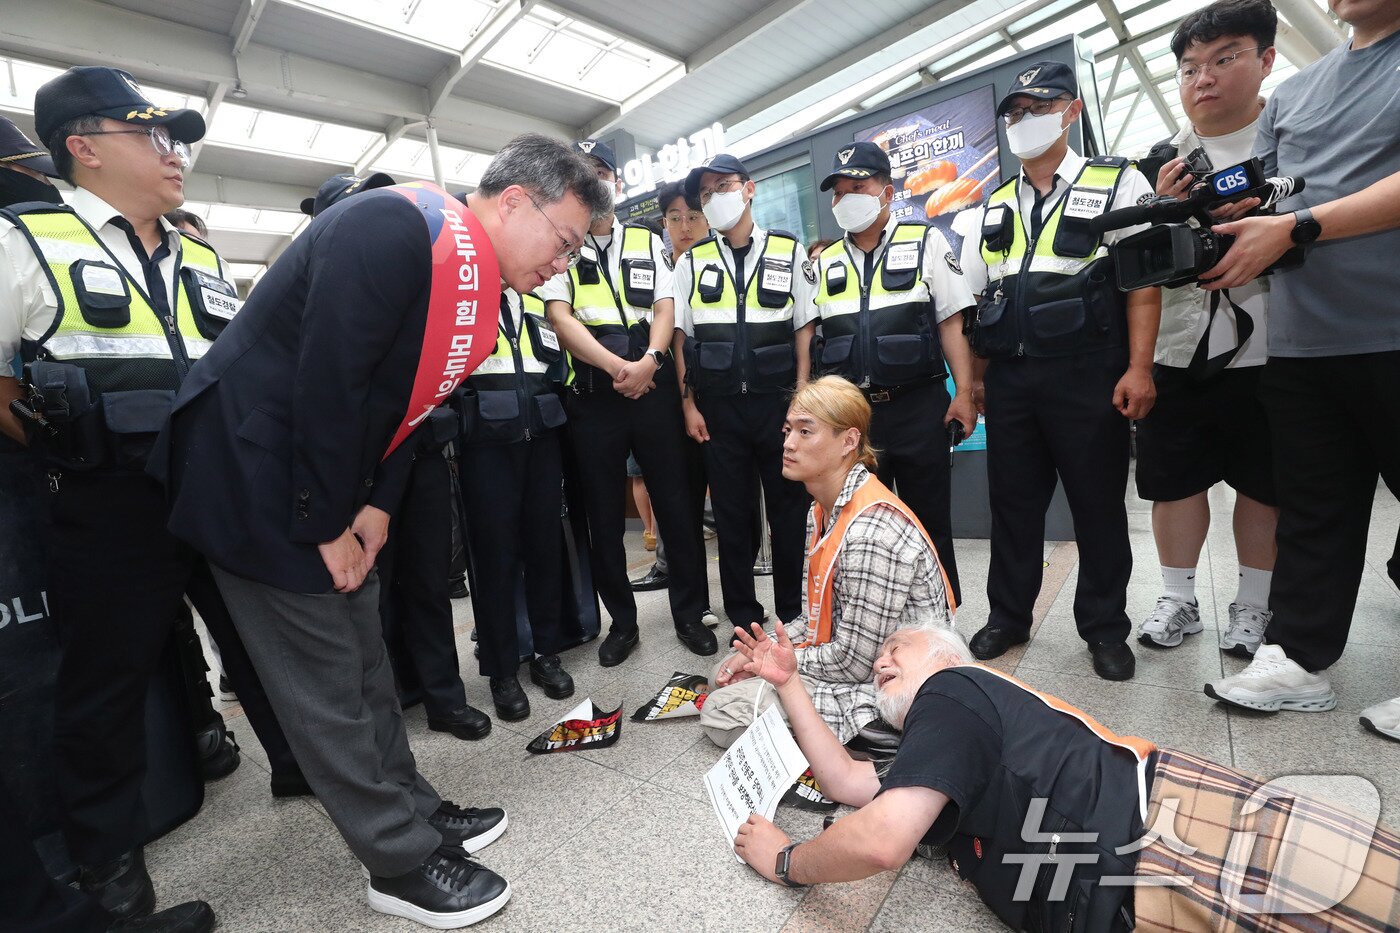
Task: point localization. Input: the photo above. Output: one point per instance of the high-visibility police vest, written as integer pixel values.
(513, 395)
(743, 339)
(882, 332)
(617, 314)
(1053, 295)
(105, 322)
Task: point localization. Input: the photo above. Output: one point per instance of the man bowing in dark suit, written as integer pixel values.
(286, 449)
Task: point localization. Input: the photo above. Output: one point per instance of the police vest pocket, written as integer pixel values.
(551, 411)
(774, 361)
(836, 351)
(1057, 318)
(213, 301)
(102, 294)
(491, 416)
(901, 357)
(619, 344)
(133, 420)
(639, 282)
(715, 356)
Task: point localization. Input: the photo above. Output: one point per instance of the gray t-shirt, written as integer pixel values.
(1337, 124)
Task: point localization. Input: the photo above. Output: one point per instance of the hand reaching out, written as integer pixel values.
(773, 660)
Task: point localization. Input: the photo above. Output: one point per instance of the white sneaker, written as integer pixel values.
(1171, 621)
(1246, 630)
(1272, 682)
(709, 619)
(1383, 718)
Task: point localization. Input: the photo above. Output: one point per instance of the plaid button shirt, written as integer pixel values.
(885, 577)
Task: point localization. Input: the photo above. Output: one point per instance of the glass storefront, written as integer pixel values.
(786, 199)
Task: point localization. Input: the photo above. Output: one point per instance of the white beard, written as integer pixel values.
(894, 704)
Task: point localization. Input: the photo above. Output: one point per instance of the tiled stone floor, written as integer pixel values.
(624, 839)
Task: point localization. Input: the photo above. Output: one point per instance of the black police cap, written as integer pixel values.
(858, 160)
(338, 187)
(598, 150)
(1042, 80)
(18, 149)
(107, 92)
(722, 164)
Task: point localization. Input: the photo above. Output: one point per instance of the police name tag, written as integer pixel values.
(901, 257)
(1085, 203)
(641, 278)
(777, 277)
(103, 280)
(709, 277)
(219, 304)
(548, 337)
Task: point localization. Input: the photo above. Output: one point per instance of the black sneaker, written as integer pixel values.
(446, 892)
(121, 886)
(547, 672)
(512, 705)
(474, 829)
(189, 917)
(218, 752)
(226, 691)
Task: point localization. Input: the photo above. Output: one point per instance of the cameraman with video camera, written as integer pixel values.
(1332, 383)
(1208, 424)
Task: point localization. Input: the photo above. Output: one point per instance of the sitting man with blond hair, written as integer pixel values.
(870, 569)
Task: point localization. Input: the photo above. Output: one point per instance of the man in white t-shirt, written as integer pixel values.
(1208, 424)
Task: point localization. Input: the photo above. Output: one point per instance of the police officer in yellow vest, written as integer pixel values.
(613, 313)
(744, 319)
(1068, 364)
(512, 475)
(889, 295)
(109, 305)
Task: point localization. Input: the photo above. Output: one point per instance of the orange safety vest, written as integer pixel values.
(824, 549)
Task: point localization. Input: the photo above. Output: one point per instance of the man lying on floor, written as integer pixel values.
(1045, 811)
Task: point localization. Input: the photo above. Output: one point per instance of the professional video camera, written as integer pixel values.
(1174, 252)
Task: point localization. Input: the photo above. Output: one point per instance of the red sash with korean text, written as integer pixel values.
(463, 302)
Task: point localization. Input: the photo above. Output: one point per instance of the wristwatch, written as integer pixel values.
(785, 864)
(1305, 229)
(656, 355)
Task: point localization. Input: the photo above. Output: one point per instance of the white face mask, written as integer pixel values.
(856, 212)
(610, 191)
(1033, 135)
(724, 208)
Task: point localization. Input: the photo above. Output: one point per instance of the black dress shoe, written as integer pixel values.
(217, 751)
(992, 642)
(189, 917)
(121, 886)
(465, 723)
(447, 891)
(617, 646)
(511, 702)
(290, 784)
(697, 638)
(547, 672)
(459, 589)
(1113, 660)
(472, 828)
(655, 579)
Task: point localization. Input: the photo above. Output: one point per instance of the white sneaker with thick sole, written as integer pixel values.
(1272, 682)
(1383, 719)
(1245, 632)
(1171, 621)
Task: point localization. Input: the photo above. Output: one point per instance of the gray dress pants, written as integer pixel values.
(322, 660)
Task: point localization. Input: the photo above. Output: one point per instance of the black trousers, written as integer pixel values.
(1336, 429)
(33, 902)
(415, 602)
(116, 584)
(1047, 417)
(746, 449)
(512, 497)
(603, 427)
(908, 431)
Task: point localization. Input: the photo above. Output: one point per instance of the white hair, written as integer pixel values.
(944, 643)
